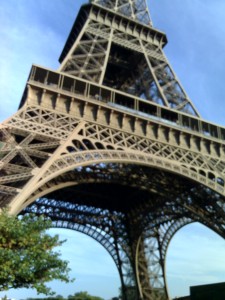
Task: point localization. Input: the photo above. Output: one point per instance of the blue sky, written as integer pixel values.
(34, 31)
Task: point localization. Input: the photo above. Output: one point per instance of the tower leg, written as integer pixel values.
(150, 267)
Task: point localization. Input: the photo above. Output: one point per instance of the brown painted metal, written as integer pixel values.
(110, 145)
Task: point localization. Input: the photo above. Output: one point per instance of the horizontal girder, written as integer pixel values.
(135, 9)
(114, 51)
(112, 146)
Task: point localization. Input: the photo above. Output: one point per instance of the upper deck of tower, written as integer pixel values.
(113, 43)
(134, 9)
(133, 14)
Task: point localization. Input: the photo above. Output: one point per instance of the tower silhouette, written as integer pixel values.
(110, 145)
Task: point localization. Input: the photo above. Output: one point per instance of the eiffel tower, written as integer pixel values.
(110, 145)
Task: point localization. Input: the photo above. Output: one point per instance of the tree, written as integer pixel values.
(131, 292)
(27, 258)
(58, 297)
(76, 296)
(83, 296)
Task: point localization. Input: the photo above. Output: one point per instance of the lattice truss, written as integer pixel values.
(128, 180)
(109, 52)
(136, 9)
(31, 137)
(89, 55)
(43, 151)
(110, 228)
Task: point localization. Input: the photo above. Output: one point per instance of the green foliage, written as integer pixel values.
(77, 296)
(58, 297)
(131, 293)
(27, 258)
(83, 296)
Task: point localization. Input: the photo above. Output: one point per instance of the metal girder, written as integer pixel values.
(110, 145)
(104, 226)
(135, 9)
(64, 143)
(157, 226)
(111, 51)
(60, 148)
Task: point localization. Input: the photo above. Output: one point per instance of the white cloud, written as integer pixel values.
(24, 41)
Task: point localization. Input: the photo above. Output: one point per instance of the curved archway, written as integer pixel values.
(74, 160)
(78, 159)
(91, 265)
(102, 183)
(194, 257)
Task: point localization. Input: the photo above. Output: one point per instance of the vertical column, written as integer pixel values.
(150, 267)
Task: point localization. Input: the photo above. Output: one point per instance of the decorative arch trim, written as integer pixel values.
(78, 159)
(68, 162)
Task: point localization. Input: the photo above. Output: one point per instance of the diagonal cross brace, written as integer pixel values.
(135, 9)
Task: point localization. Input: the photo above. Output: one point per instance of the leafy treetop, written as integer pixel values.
(27, 258)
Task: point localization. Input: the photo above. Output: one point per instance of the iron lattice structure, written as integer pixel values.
(110, 145)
